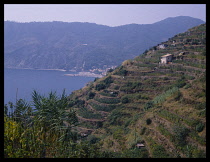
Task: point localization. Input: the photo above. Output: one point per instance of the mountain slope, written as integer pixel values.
(160, 106)
(83, 46)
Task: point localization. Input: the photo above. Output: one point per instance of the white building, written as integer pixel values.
(162, 46)
(165, 59)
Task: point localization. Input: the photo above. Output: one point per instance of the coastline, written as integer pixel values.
(86, 74)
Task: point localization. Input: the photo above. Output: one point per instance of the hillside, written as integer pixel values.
(83, 46)
(161, 107)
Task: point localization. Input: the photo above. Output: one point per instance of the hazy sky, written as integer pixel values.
(105, 14)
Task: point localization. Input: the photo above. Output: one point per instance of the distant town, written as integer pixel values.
(97, 72)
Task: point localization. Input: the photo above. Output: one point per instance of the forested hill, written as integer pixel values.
(143, 103)
(83, 46)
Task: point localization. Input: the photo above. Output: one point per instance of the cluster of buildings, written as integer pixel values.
(101, 71)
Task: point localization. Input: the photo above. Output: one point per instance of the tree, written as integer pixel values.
(91, 95)
(199, 127)
(180, 133)
(148, 121)
(125, 100)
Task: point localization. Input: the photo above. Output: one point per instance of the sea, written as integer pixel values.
(20, 83)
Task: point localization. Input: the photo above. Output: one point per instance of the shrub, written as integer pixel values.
(89, 114)
(125, 100)
(180, 134)
(79, 103)
(187, 86)
(100, 86)
(109, 93)
(135, 153)
(108, 100)
(180, 83)
(199, 127)
(110, 70)
(148, 121)
(143, 130)
(178, 96)
(200, 106)
(91, 95)
(121, 71)
(159, 152)
(148, 105)
(102, 107)
(117, 117)
(162, 97)
(116, 87)
(108, 81)
(92, 139)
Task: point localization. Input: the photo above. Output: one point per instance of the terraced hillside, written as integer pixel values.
(160, 106)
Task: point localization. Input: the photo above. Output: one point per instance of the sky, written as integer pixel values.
(104, 14)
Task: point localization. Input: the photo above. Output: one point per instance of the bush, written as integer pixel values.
(109, 93)
(180, 134)
(92, 139)
(108, 81)
(148, 105)
(110, 70)
(143, 130)
(200, 106)
(178, 96)
(108, 100)
(148, 121)
(125, 100)
(135, 153)
(162, 97)
(159, 152)
(199, 127)
(79, 103)
(180, 83)
(116, 87)
(91, 95)
(121, 71)
(102, 107)
(85, 113)
(187, 86)
(117, 117)
(99, 87)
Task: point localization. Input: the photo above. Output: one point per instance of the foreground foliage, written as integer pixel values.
(46, 130)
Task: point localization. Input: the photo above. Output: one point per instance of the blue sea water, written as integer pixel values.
(24, 81)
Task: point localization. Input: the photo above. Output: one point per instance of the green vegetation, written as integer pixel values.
(88, 114)
(148, 121)
(41, 131)
(108, 100)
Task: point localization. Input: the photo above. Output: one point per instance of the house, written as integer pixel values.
(165, 59)
(140, 145)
